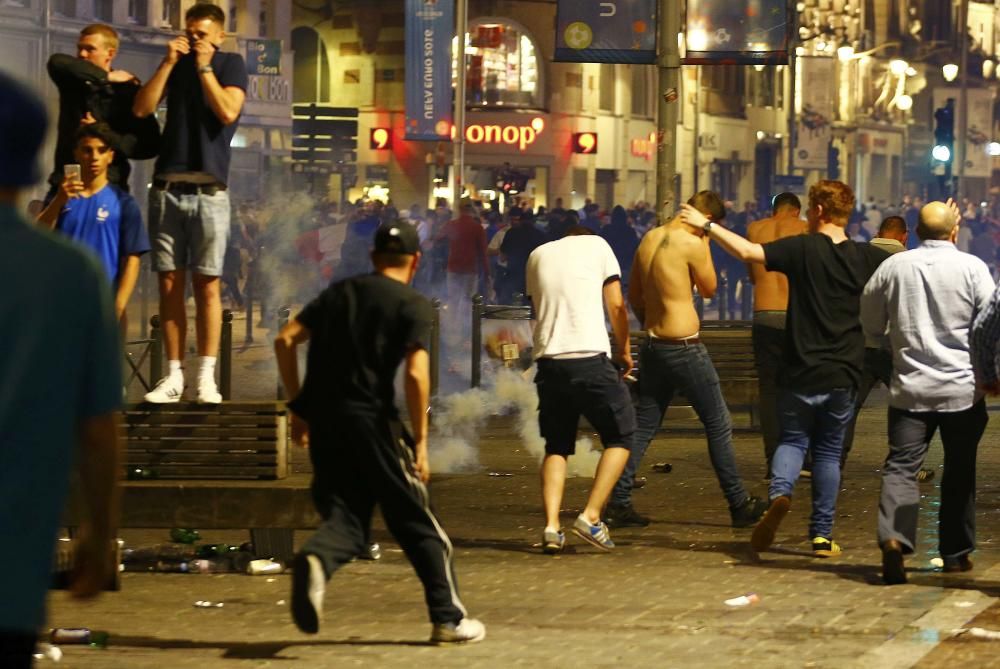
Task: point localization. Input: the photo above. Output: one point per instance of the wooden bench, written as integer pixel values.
(731, 350)
(232, 440)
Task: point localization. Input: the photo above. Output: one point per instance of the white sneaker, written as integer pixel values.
(308, 588)
(208, 392)
(168, 390)
(467, 630)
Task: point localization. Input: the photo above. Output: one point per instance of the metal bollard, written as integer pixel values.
(155, 349)
(747, 296)
(284, 313)
(723, 294)
(477, 340)
(226, 356)
(248, 297)
(435, 351)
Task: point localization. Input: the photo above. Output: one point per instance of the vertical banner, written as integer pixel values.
(812, 126)
(430, 26)
(979, 131)
(623, 31)
(737, 32)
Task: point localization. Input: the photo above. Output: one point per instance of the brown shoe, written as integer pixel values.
(763, 533)
(955, 565)
(893, 571)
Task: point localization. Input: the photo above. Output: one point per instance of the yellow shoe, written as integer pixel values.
(824, 548)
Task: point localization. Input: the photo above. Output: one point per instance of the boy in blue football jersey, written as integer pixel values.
(99, 215)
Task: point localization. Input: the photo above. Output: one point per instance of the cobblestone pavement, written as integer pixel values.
(656, 601)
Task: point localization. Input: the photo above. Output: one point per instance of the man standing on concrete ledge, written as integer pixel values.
(360, 330)
(571, 282)
(929, 299)
(824, 351)
(189, 200)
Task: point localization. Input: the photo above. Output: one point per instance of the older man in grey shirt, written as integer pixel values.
(929, 298)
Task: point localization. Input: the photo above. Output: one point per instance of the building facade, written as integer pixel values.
(516, 93)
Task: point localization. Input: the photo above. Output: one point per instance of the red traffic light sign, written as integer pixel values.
(584, 142)
(380, 139)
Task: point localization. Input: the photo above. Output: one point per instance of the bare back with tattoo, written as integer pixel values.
(670, 261)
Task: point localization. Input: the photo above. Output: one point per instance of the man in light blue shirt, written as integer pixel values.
(60, 388)
(985, 343)
(929, 298)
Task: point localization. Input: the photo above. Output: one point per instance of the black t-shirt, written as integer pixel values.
(361, 330)
(824, 344)
(194, 139)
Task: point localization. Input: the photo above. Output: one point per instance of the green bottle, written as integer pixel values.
(184, 535)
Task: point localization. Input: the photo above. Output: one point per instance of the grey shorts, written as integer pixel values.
(188, 231)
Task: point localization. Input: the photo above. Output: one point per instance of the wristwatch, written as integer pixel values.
(205, 69)
(708, 227)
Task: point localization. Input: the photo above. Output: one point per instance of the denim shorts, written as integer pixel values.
(188, 230)
(588, 386)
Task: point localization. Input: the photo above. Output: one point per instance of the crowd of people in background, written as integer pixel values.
(331, 241)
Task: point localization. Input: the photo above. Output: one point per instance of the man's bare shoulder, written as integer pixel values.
(770, 229)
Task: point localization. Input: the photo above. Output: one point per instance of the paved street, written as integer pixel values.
(657, 601)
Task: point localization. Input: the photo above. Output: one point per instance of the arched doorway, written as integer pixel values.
(312, 67)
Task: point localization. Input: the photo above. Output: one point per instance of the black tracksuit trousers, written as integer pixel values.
(362, 460)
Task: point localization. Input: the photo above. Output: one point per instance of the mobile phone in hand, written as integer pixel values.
(71, 171)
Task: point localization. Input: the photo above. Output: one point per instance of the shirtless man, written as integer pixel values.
(770, 302)
(673, 359)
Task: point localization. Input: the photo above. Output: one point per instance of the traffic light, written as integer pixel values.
(944, 133)
(584, 142)
(380, 139)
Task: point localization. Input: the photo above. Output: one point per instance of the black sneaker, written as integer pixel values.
(893, 568)
(623, 515)
(749, 512)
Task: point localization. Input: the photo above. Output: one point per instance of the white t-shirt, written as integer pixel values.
(565, 280)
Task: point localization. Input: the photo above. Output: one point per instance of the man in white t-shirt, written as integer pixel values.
(571, 281)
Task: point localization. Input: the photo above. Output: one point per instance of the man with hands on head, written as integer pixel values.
(669, 261)
(359, 331)
(189, 202)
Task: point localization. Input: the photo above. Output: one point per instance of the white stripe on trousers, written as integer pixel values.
(421, 490)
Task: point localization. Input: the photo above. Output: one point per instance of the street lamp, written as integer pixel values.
(898, 67)
(845, 52)
(904, 103)
(950, 71)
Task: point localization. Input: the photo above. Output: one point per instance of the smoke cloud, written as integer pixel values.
(460, 418)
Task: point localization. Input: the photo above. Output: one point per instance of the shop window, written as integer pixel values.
(763, 85)
(138, 12)
(606, 100)
(171, 16)
(641, 75)
(724, 88)
(104, 10)
(65, 8)
(502, 67)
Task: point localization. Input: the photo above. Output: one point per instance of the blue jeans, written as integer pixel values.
(666, 368)
(818, 421)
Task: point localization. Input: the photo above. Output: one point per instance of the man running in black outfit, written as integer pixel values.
(361, 329)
